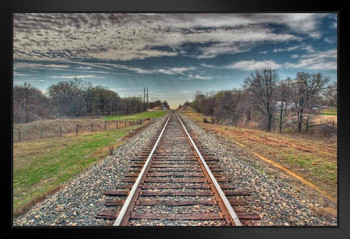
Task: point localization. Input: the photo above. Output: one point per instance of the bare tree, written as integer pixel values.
(330, 95)
(233, 105)
(307, 89)
(247, 107)
(29, 104)
(262, 86)
(284, 93)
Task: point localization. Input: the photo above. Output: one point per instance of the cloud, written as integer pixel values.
(109, 36)
(186, 91)
(77, 76)
(247, 65)
(207, 65)
(222, 48)
(307, 48)
(27, 65)
(33, 80)
(326, 60)
(84, 67)
(242, 40)
(304, 23)
(21, 74)
(199, 77)
(286, 49)
(174, 70)
(168, 71)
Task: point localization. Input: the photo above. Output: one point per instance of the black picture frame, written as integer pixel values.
(342, 8)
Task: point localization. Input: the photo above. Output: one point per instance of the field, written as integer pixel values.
(40, 167)
(143, 115)
(56, 127)
(310, 160)
(329, 112)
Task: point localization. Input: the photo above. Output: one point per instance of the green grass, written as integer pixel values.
(42, 165)
(143, 115)
(329, 112)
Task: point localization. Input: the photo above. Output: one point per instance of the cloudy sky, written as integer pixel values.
(173, 55)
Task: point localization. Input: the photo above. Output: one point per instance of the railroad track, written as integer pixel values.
(175, 182)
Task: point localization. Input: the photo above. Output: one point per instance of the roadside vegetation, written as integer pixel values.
(75, 98)
(313, 159)
(272, 104)
(288, 123)
(41, 167)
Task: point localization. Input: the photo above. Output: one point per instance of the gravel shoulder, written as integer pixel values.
(77, 203)
(279, 200)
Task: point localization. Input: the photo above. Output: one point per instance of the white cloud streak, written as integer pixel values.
(326, 60)
(249, 65)
(73, 76)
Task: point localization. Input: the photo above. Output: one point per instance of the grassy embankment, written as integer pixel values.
(40, 167)
(310, 160)
(143, 115)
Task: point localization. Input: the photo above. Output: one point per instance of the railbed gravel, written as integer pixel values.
(78, 202)
(273, 197)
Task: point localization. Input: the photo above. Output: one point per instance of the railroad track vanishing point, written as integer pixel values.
(172, 183)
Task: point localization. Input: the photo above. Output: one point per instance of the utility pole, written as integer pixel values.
(147, 99)
(144, 99)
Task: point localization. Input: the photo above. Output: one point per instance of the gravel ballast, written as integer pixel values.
(78, 202)
(273, 197)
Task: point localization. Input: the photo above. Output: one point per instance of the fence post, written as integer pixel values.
(105, 125)
(19, 136)
(76, 129)
(125, 123)
(60, 132)
(92, 127)
(41, 133)
(116, 124)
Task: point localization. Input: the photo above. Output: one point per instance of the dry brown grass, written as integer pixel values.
(51, 128)
(311, 160)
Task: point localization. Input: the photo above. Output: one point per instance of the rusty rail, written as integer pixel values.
(169, 169)
(123, 215)
(223, 201)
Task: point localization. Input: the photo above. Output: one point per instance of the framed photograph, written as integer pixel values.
(195, 119)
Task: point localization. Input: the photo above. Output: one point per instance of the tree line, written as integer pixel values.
(75, 98)
(272, 102)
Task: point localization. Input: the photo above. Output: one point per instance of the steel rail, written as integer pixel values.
(225, 201)
(126, 207)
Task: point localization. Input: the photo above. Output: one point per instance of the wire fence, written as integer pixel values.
(59, 129)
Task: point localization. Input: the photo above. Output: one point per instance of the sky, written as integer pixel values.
(174, 55)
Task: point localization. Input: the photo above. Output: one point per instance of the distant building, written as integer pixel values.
(279, 104)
